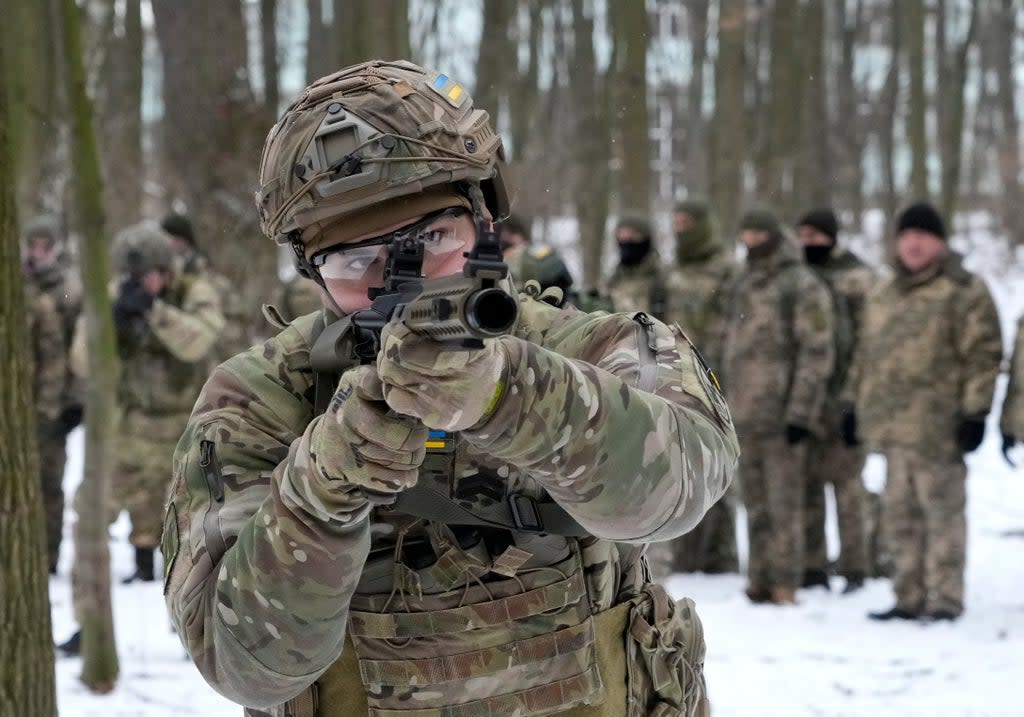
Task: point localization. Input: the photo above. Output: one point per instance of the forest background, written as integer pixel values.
(605, 106)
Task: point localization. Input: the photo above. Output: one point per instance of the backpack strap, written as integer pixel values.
(657, 298)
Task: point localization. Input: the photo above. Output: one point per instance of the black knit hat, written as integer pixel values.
(824, 220)
(178, 225)
(923, 216)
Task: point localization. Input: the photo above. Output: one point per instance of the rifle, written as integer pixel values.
(457, 311)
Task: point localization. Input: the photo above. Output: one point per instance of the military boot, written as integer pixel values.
(757, 594)
(894, 613)
(854, 582)
(72, 647)
(143, 567)
(783, 596)
(815, 577)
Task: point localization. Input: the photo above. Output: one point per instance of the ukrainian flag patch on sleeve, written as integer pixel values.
(448, 89)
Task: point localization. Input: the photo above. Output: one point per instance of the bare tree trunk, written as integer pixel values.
(99, 651)
(592, 184)
(26, 646)
(214, 129)
(697, 133)
(34, 93)
(917, 108)
(951, 98)
(728, 141)
(318, 60)
(812, 171)
(775, 185)
(496, 54)
(887, 129)
(268, 42)
(849, 131)
(1009, 146)
(631, 34)
(522, 106)
(119, 119)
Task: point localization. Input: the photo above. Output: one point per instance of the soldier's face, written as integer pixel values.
(753, 238)
(681, 221)
(40, 252)
(357, 274)
(181, 246)
(511, 241)
(155, 281)
(919, 249)
(626, 235)
(809, 236)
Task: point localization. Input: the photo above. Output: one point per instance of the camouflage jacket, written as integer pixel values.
(233, 336)
(777, 360)
(48, 353)
(541, 264)
(64, 287)
(164, 358)
(851, 280)
(696, 299)
(1012, 421)
(929, 352)
(299, 296)
(640, 287)
(264, 559)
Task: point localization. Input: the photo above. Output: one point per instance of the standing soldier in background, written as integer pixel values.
(166, 322)
(638, 282)
(299, 296)
(483, 508)
(778, 357)
(191, 260)
(1011, 423)
(696, 289)
(529, 263)
(926, 367)
(836, 456)
(48, 269)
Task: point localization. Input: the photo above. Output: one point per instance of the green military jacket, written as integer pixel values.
(778, 344)
(1012, 421)
(270, 567)
(696, 299)
(61, 283)
(48, 353)
(541, 264)
(929, 352)
(640, 287)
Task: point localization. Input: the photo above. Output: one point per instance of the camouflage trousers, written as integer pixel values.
(772, 478)
(926, 530)
(709, 548)
(830, 460)
(52, 456)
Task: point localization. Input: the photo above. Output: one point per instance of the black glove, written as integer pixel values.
(969, 433)
(70, 418)
(1009, 441)
(795, 433)
(132, 302)
(848, 427)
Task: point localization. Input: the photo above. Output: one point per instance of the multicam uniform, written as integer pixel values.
(270, 577)
(541, 264)
(695, 295)
(831, 460)
(932, 342)
(776, 364)
(1011, 423)
(640, 287)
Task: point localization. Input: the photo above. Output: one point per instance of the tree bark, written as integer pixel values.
(887, 129)
(1009, 145)
(26, 644)
(917, 107)
(697, 133)
(630, 86)
(318, 60)
(729, 139)
(952, 96)
(497, 52)
(268, 43)
(99, 652)
(812, 171)
(848, 127)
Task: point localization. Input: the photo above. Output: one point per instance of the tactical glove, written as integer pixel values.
(1009, 441)
(969, 432)
(359, 442)
(70, 418)
(132, 302)
(795, 433)
(447, 389)
(848, 427)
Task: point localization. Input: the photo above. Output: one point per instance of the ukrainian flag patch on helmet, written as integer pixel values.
(448, 89)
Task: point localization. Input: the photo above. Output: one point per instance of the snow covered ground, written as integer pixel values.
(819, 658)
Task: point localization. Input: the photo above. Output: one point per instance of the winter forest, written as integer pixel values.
(118, 111)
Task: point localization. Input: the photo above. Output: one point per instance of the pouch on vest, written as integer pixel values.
(523, 646)
(665, 657)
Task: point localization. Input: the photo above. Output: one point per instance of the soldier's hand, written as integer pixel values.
(969, 432)
(848, 427)
(1009, 441)
(451, 390)
(133, 301)
(795, 434)
(359, 442)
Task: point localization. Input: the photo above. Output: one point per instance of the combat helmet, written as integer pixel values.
(44, 225)
(372, 133)
(142, 247)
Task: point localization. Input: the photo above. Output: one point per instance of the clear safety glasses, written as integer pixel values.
(364, 261)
